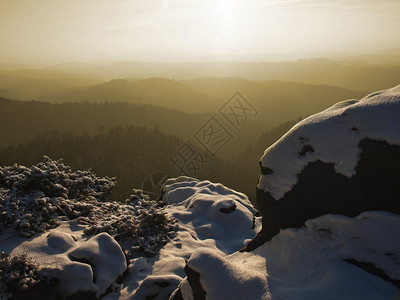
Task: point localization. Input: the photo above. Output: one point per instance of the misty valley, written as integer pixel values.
(131, 128)
(200, 181)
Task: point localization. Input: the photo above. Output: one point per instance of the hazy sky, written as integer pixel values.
(93, 30)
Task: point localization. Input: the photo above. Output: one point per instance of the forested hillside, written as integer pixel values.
(131, 154)
(22, 120)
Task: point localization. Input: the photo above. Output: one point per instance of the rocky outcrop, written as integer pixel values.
(211, 275)
(79, 265)
(344, 160)
(343, 257)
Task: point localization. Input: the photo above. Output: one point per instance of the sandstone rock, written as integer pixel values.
(344, 160)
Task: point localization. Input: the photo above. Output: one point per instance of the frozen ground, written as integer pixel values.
(214, 222)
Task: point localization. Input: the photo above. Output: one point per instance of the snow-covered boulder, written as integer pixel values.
(212, 276)
(80, 265)
(157, 287)
(344, 160)
(331, 257)
(214, 211)
(210, 216)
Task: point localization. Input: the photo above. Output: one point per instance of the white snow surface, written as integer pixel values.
(334, 135)
(79, 263)
(196, 205)
(305, 263)
(225, 279)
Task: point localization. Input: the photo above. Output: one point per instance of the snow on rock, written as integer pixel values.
(210, 216)
(332, 136)
(213, 211)
(343, 160)
(308, 263)
(80, 265)
(106, 256)
(60, 241)
(36, 199)
(223, 279)
(157, 287)
(332, 257)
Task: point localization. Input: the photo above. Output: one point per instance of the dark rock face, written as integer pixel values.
(228, 210)
(320, 190)
(265, 170)
(194, 280)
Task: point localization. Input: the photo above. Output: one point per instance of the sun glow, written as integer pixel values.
(155, 30)
(224, 26)
(224, 8)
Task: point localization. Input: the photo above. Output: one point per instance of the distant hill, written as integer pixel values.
(27, 84)
(22, 120)
(276, 101)
(373, 74)
(154, 91)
